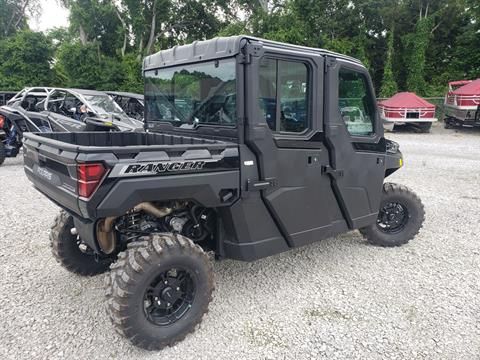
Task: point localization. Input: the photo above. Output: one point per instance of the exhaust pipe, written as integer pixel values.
(106, 237)
(153, 210)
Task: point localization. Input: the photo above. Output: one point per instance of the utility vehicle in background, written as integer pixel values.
(247, 155)
(59, 110)
(133, 104)
(96, 108)
(5, 96)
(29, 97)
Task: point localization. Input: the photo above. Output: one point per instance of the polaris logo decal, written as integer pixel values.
(161, 167)
(44, 173)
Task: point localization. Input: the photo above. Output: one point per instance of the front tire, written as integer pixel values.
(66, 250)
(159, 290)
(400, 217)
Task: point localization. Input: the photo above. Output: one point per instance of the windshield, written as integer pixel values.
(194, 94)
(103, 104)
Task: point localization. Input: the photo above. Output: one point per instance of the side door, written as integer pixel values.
(354, 136)
(284, 107)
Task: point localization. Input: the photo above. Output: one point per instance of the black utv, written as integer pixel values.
(248, 153)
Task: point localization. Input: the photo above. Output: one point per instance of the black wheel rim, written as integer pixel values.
(392, 218)
(169, 296)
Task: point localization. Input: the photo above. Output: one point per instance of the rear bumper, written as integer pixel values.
(68, 202)
(392, 122)
(63, 198)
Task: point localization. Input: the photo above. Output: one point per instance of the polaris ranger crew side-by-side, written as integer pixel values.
(247, 153)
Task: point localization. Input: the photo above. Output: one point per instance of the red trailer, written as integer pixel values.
(462, 104)
(406, 108)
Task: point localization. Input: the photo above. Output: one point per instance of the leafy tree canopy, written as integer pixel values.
(414, 45)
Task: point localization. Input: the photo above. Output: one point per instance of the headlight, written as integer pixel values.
(392, 147)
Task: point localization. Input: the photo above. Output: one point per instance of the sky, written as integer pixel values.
(53, 15)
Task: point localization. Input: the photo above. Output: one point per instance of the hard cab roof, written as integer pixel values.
(222, 47)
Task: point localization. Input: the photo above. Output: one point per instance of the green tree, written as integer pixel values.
(13, 15)
(96, 22)
(389, 85)
(25, 60)
(81, 67)
(418, 44)
(132, 69)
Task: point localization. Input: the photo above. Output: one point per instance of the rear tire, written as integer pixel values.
(65, 249)
(159, 290)
(448, 124)
(400, 217)
(3, 154)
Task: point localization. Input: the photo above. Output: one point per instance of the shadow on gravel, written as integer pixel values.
(324, 253)
(10, 165)
(10, 162)
(234, 280)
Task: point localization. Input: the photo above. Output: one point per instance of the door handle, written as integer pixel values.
(334, 173)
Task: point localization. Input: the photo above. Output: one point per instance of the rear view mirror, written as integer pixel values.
(73, 110)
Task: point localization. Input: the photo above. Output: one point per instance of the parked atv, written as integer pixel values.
(15, 121)
(29, 97)
(96, 108)
(132, 104)
(5, 96)
(60, 110)
(247, 156)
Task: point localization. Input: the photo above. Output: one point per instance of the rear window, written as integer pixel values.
(190, 95)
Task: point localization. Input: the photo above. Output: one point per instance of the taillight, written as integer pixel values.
(89, 177)
(2, 121)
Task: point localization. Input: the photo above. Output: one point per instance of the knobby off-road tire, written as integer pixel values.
(3, 154)
(400, 217)
(143, 274)
(65, 249)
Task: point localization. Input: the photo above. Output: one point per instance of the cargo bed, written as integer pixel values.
(52, 161)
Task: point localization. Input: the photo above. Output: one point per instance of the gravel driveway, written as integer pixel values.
(337, 299)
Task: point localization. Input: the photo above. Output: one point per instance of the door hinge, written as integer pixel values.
(330, 62)
(261, 185)
(334, 173)
(250, 50)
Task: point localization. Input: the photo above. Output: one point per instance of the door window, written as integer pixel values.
(283, 95)
(356, 103)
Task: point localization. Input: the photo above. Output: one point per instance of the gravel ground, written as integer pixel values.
(338, 299)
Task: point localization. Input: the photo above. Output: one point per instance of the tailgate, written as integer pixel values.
(52, 170)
